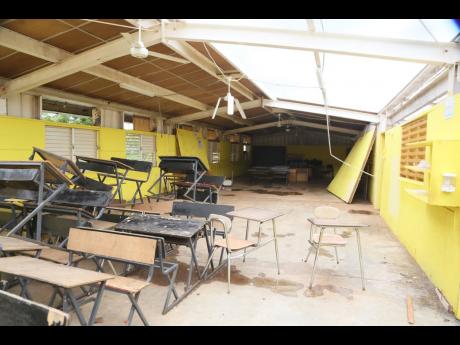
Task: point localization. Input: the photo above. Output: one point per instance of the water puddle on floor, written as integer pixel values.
(318, 290)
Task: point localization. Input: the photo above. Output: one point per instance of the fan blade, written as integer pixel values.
(168, 57)
(240, 108)
(216, 108)
(127, 37)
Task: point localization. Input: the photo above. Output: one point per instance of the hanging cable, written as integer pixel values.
(428, 30)
(326, 108)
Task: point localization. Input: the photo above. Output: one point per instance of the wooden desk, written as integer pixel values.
(60, 277)
(338, 223)
(12, 244)
(260, 216)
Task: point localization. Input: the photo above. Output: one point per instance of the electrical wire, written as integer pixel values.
(428, 30)
(326, 108)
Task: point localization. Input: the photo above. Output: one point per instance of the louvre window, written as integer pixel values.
(71, 142)
(214, 152)
(141, 147)
(413, 132)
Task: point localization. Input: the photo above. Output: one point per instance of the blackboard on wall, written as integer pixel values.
(268, 155)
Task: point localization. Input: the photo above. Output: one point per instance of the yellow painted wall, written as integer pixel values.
(320, 152)
(430, 233)
(19, 135)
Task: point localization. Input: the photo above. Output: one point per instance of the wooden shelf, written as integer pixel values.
(416, 168)
(418, 144)
(420, 194)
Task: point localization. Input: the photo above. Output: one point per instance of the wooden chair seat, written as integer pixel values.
(234, 243)
(55, 255)
(330, 240)
(126, 284)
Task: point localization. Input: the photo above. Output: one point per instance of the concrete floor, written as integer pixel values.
(259, 296)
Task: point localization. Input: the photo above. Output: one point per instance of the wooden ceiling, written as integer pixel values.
(76, 36)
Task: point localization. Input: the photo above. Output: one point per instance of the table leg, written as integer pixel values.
(276, 246)
(24, 291)
(316, 257)
(97, 302)
(193, 262)
(76, 307)
(246, 237)
(360, 258)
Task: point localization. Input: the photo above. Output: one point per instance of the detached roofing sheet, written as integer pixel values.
(351, 82)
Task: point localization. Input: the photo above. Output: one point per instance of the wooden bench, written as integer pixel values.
(127, 248)
(18, 311)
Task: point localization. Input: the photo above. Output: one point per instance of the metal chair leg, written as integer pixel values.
(316, 257)
(246, 238)
(336, 252)
(276, 247)
(138, 309)
(360, 259)
(229, 268)
(308, 254)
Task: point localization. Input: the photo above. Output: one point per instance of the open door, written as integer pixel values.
(347, 179)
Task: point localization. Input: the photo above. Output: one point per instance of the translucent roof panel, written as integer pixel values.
(351, 82)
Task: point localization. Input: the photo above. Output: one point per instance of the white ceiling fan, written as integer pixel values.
(231, 102)
(138, 49)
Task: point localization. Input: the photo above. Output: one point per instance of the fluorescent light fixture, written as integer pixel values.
(137, 89)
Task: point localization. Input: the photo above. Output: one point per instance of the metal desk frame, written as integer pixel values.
(332, 223)
(191, 243)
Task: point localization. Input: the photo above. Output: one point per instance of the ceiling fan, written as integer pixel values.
(138, 49)
(231, 102)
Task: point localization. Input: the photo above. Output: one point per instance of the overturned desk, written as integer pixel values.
(171, 166)
(105, 169)
(39, 182)
(174, 231)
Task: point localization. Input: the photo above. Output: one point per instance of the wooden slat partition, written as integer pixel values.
(414, 131)
(112, 244)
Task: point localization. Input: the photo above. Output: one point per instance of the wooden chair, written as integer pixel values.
(138, 250)
(232, 246)
(322, 240)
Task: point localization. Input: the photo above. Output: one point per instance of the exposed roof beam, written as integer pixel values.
(291, 123)
(221, 112)
(374, 47)
(318, 109)
(188, 52)
(27, 45)
(423, 98)
(74, 63)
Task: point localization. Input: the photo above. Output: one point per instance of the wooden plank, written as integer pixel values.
(49, 272)
(17, 311)
(12, 244)
(410, 310)
(112, 244)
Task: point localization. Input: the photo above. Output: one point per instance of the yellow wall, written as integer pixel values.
(18, 135)
(431, 233)
(320, 152)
